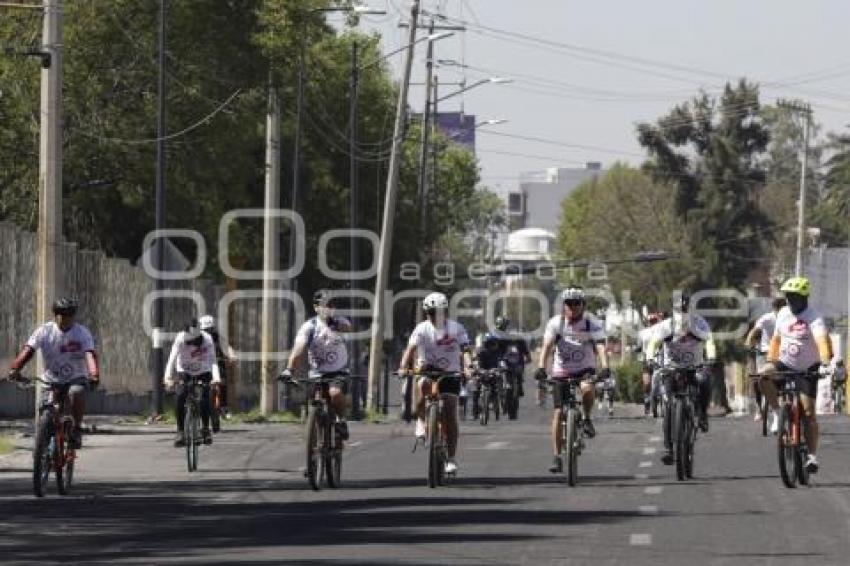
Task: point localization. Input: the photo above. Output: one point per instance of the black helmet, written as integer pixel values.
(502, 323)
(65, 305)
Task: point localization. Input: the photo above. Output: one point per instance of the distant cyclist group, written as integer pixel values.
(442, 366)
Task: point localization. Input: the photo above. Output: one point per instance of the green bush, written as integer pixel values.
(629, 382)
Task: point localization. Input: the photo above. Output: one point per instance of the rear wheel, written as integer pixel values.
(786, 450)
(434, 449)
(64, 459)
(571, 447)
(312, 448)
(41, 458)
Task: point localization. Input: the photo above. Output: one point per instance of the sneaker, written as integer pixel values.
(451, 466)
(667, 459)
(812, 464)
(207, 436)
(703, 422)
(342, 429)
(225, 413)
(557, 466)
(774, 422)
(179, 440)
(420, 429)
(588, 429)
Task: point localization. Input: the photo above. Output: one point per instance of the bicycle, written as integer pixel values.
(571, 421)
(680, 423)
(510, 390)
(192, 436)
(52, 450)
(438, 449)
(323, 442)
(761, 406)
(490, 381)
(792, 438)
(605, 395)
(838, 397)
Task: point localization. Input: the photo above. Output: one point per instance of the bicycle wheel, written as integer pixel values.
(191, 433)
(332, 454)
(434, 449)
(41, 457)
(510, 404)
(839, 401)
(312, 449)
(64, 459)
(484, 411)
(763, 409)
(497, 404)
(680, 434)
(802, 450)
(571, 447)
(215, 410)
(691, 433)
(407, 400)
(786, 451)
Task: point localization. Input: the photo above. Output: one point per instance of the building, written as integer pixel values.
(537, 201)
(828, 270)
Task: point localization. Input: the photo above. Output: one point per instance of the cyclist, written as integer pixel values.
(192, 355)
(321, 339)
(438, 343)
(513, 349)
(576, 341)
(800, 342)
(687, 341)
(67, 349)
(762, 332)
(207, 323)
(647, 365)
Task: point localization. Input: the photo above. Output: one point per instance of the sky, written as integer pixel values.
(585, 73)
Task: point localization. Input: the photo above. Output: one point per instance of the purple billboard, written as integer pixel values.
(458, 127)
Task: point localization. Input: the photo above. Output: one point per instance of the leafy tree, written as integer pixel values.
(832, 212)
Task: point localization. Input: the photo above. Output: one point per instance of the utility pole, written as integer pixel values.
(296, 183)
(353, 203)
(384, 253)
(270, 250)
(805, 110)
(49, 167)
(158, 314)
(426, 126)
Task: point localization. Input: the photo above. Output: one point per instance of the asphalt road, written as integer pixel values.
(134, 502)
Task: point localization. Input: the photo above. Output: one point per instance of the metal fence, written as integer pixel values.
(112, 295)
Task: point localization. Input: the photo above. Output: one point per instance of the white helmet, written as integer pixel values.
(207, 322)
(435, 301)
(573, 294)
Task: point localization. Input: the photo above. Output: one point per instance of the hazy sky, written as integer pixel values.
(623, 62)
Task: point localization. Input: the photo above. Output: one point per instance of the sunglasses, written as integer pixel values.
(574, 302)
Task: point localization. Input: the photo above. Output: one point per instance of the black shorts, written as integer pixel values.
(448, 385)
(561, 389)
(807, 384)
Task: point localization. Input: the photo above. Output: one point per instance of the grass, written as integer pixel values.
(255, 416)
(6, 444)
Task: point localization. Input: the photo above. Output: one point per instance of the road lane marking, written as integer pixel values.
(646, 464)
(649, 450)
(641, 476)
(654, 490)
(354, 444)
(640, 539)
(655, 439)
(496, 446)
(648, 509)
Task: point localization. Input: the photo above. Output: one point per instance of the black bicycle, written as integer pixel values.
(680, 419)
(192, 435)
(324, 443)
(490, 399)
(572, 442)
(510, 390)
(605, 389)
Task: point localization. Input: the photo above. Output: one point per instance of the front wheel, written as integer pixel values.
(312, 448)
(803, 450)
(64, 459)
(41, 457)
(333, 458)
(484, 410)
(786, 449)
(571, 446)
(681, 422)
(435, 461)
(839, 400)
(191, 431)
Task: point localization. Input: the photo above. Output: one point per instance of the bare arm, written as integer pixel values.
(297, 354)
(407, 358)
(546, 353)
(601, 354)
(752, 336)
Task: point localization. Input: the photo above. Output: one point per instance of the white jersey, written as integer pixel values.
(575, 343)
(797, 333)
(439, 348)
(684, 339)
(326, 349)
(766, 323)
(192, 360)
(64, 353)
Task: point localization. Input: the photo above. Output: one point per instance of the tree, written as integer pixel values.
(832, 212)
(709, 150)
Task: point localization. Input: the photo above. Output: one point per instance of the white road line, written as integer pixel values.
(496, 446)
(654, 490)
(641, 476)
(655, 439)
(648, 451)
(646, 464)
(640, 539)
(648, 509)
(354, 444)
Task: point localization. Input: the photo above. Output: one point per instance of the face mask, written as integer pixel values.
(797, 303)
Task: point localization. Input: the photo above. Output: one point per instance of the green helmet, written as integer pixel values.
(797, 285)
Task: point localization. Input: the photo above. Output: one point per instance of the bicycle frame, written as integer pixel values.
(323, 444)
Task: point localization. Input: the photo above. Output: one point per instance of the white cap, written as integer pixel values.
(207, 322)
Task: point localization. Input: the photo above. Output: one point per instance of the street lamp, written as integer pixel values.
(491, 80)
